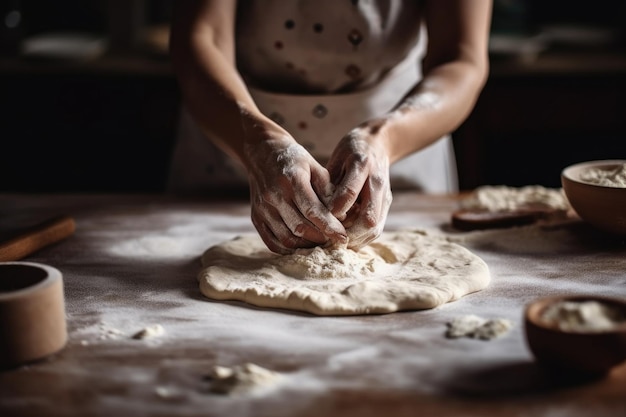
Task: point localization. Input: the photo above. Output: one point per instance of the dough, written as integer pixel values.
(496, 198)
(242, 379)
(407, 270)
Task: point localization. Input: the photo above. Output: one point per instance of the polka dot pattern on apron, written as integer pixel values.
(323, 46)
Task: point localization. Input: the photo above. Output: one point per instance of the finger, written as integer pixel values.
(271, 241)
(286, 221)
(275, 233)
(351, 215)
(276, 245)
(322, 185)
(362, 231)
(372, 216)
(347, 190)
(298, 224)
(310, 206)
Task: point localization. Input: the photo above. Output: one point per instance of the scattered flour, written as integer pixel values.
(494, 198)
(242, 379)
(588, 316)
(169, 393)
(149, 332)
(109, 333)
(105, 331)
(150, 246)
(530, 239)
(614, 177)
(476, 327)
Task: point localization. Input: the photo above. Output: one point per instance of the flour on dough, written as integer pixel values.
(408, 270)
(498, 198)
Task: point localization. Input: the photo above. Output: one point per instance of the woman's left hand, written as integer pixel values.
(359, 169)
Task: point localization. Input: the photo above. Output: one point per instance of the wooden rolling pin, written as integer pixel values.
(36, 238)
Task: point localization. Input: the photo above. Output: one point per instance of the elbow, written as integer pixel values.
(482, 72)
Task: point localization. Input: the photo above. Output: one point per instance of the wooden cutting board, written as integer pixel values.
(467, 219)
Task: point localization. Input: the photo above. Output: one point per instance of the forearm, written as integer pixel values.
(436, 107)
(212, 89)
(455, 70)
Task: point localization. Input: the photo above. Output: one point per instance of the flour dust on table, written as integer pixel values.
(408, 270)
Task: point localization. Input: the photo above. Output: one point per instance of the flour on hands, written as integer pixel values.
(359, 168)
(285, 186)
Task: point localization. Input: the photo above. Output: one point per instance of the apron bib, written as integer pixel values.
(318, 122)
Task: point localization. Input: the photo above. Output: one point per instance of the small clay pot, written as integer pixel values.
(32, 313)
(592, 353)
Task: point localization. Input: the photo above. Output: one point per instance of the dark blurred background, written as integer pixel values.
(88, 101)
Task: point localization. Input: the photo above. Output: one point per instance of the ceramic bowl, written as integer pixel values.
(590, 352)
(601, 206)
(32, 313)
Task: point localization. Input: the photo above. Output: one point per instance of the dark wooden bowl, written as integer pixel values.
(602, 207)
(588, 352)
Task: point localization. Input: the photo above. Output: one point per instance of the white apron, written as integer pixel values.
(319, 121)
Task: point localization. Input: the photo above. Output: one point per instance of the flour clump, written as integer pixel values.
(590, 316)
(476, 327)
(614, 177)
(327, 263)
(242, 379)
(149, 332)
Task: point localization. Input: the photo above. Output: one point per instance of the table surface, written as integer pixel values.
(133, 262)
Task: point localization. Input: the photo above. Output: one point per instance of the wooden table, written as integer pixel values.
(133, 262)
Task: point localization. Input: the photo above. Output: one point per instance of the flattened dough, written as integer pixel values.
(408, 270)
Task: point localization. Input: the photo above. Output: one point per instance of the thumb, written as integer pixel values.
(323, 187)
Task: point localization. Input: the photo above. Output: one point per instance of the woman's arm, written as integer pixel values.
(287, 185)
(202, 47)
(455, 69)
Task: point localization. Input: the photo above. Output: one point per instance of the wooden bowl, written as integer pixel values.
(581, 352)
(601, 206)
(32, 313)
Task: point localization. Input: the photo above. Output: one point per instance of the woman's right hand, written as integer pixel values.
(289, 190)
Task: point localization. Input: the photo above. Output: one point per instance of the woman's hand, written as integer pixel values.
(288, 190)
(359, 168)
